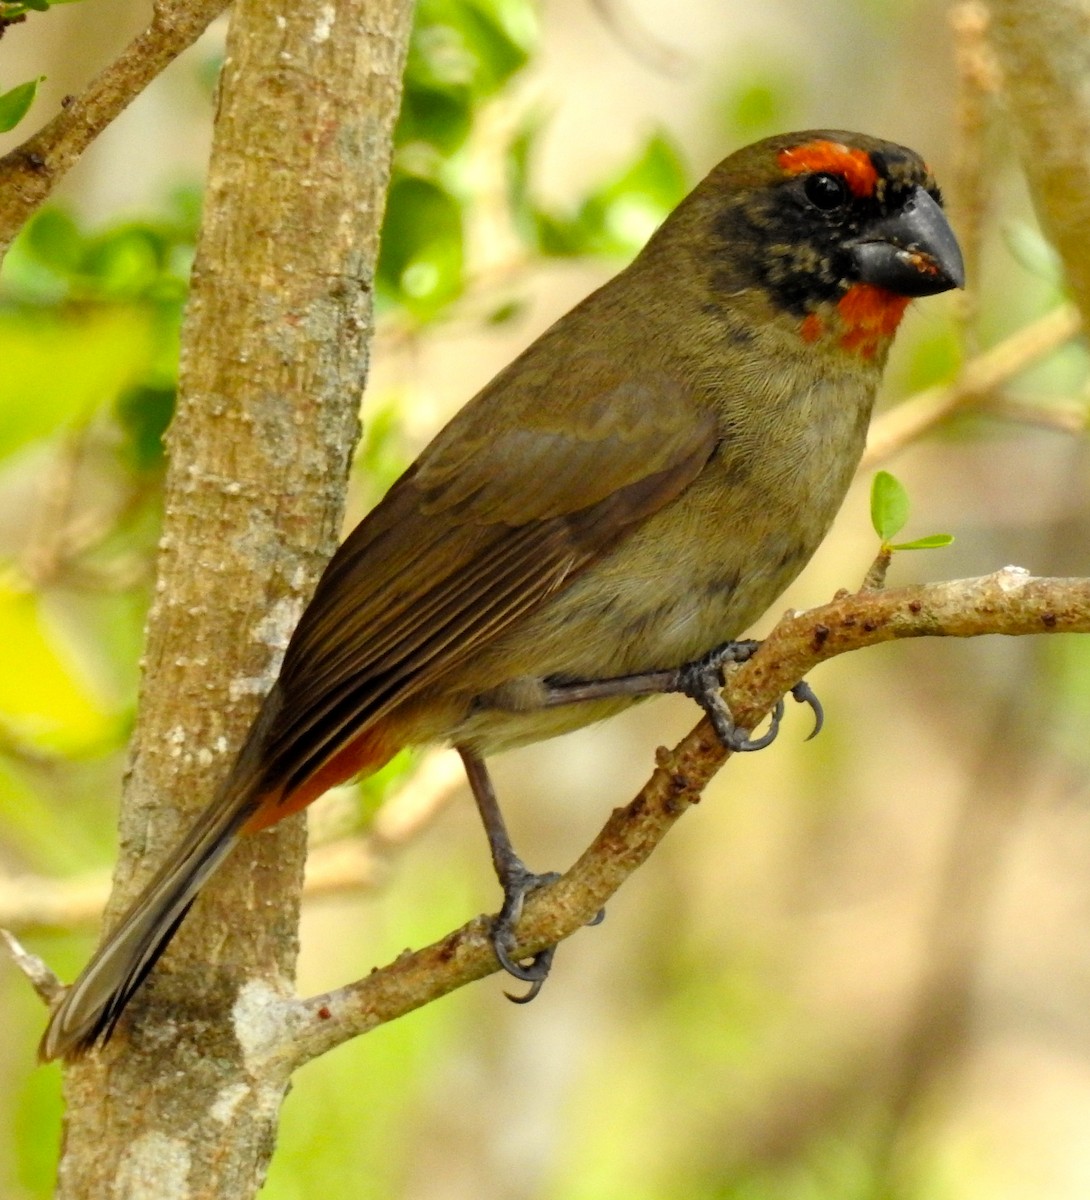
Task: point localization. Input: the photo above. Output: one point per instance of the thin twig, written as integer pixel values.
(978, 83)
(31, 171)
(42, 979)
(644, 46)
(1062, 416)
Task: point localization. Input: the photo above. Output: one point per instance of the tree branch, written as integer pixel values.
(31, 171)
(41, 978)
(279, 1035)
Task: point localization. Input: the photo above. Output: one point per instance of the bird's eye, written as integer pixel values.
(827, 192)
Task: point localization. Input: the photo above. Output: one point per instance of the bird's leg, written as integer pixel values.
(515, 878)
(702, 680)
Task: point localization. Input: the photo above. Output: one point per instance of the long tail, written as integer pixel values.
(93, 1004)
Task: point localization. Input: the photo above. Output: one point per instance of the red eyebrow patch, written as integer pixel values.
(854, 165)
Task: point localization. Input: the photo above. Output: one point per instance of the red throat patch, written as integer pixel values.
(854, 166)
(869, 317)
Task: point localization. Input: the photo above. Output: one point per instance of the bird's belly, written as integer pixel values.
(593, 631)
(696, 574)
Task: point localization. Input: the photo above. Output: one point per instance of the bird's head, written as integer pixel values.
(837, 231)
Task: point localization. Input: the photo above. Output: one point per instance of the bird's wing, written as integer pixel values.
(506, 506)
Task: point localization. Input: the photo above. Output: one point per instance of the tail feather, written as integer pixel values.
(92, 1006)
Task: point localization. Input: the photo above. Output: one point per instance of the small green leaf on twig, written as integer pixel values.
(14, 103)
(933, 541)
(888, 505)
(889, 515)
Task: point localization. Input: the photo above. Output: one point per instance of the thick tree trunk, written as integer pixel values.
(1043, 47)
(274, 359)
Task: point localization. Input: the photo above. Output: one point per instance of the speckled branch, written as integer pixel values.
(278, 1034)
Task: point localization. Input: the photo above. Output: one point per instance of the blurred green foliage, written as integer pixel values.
(462, 54)
(89, 324)
(615, 219)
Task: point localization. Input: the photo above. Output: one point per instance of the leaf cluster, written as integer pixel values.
(463, 54)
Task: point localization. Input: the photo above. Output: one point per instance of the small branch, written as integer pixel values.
(1008, 602)
(31, 171)
(1061, 416)
(346, 864)
(895, 429)
(42, 979)
(645, 47)
(875, 577)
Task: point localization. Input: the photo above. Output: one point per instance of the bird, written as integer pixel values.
(602, 521)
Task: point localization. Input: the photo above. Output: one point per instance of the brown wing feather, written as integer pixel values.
(492, 519)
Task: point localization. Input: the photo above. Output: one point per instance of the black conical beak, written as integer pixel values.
(913, 253)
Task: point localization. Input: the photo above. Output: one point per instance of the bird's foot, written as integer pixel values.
(703, 679)
(518, 883)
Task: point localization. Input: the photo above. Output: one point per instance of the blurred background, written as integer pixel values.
(861, 968)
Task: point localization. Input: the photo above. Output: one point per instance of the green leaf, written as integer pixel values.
(506, 311)
(383, 453)
(560, 237)
(498, 55)
(125, 261)
(442, 119)
(462, 46)
(145, 412)
(421, 257)
(932, 542)
(58, 370)
(375, 788)
(621, 215)
(762, 99)
(888, 505)
(14, 103)
(1030, 248)
(54, 239)
(517, 19)
(53, 259)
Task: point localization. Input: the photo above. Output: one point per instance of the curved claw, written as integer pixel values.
(535, 974)
(538, 966)
(597, 919)
(804, 694)
(766, 738)
(519, 883)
